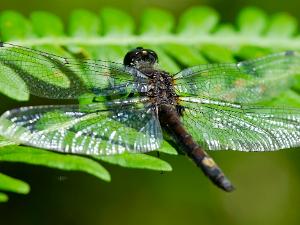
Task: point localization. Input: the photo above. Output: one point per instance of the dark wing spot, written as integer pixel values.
(1, 43)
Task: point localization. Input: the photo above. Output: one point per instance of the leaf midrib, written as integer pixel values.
(231, 41)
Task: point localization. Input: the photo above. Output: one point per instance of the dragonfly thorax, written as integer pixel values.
(161, 90)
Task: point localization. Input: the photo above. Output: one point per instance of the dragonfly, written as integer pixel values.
(135, 105)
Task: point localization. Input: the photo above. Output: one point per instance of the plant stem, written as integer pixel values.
(229, 41)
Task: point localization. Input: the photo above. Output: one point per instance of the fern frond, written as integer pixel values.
(197, 37)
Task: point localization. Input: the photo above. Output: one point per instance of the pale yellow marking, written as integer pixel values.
(207, 161)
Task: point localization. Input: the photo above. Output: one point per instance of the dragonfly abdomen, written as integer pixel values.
(170, 121)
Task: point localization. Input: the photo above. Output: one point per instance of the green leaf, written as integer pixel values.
(3, 197)
(185, 55)
(116, 22)
(282, 25)
(83, 23)
(110, 53)
(138, 161)
(14, 26)
(225, 30)
(5, 142)
(167, 148)
(14, 185)
(156, 22)
(46, 24)
(252, 52)
(198, 21)
(217, 53)
(165, 61)
(252, 21)
(54, 160)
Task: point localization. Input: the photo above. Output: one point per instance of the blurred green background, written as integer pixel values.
(267, 184)
(228, 9)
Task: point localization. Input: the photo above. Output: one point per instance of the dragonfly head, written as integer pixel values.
(140, 57)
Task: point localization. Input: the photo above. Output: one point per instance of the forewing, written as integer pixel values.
(88, 129)
(245, 82)
(56, 77)
(222, 126)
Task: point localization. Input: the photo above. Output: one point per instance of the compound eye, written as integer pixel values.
(140, 54)
(130, 58)
(153, 57)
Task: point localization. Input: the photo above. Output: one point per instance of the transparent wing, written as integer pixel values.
(245, 82)
(89, 129)
(222, 126)
(51, 76)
